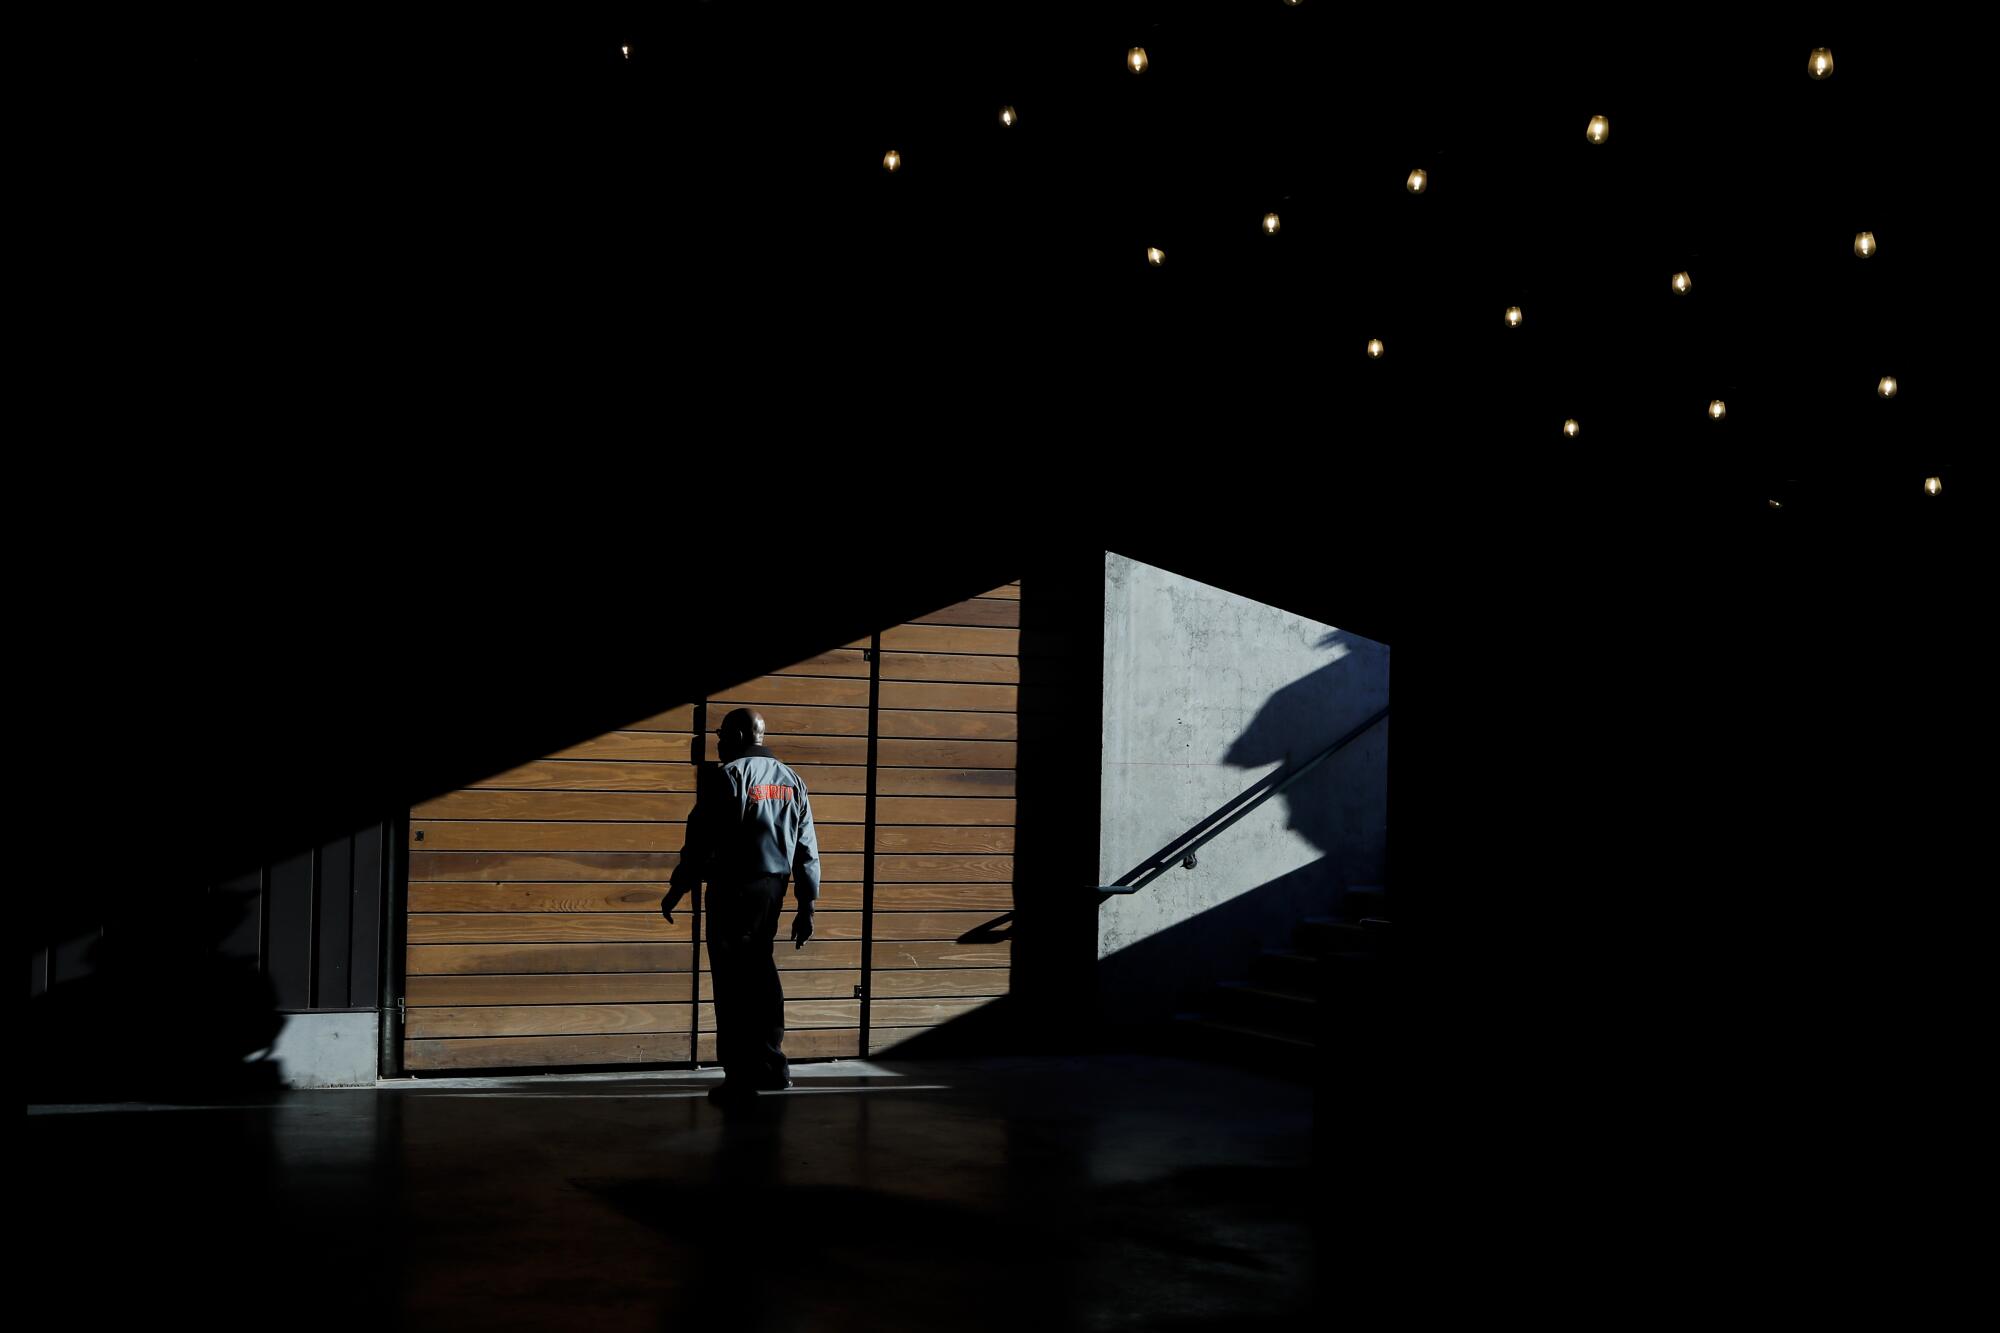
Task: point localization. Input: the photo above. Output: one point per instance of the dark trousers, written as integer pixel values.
(742, 925)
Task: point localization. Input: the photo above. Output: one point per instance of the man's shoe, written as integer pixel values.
(772, 1087)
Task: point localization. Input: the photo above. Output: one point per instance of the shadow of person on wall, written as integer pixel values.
(1172, 969)
(1325, 807)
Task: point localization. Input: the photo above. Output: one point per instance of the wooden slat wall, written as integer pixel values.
(944, 822)
(534, 935)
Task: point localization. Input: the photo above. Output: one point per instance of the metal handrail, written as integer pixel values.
(1183, 848)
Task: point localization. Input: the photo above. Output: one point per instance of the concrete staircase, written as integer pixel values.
(1278, 1017)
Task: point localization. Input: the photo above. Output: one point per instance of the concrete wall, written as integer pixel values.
(1204, 693)
(326, 1049)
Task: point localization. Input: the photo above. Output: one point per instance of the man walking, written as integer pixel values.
(751, 826)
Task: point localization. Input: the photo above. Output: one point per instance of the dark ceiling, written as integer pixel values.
(456, 340)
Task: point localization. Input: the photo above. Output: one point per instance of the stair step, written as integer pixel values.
(1286, 969)
(1246, 1046)
(1211, 1023)
(1322, 935)
(1264, 1007)
(1364, 901)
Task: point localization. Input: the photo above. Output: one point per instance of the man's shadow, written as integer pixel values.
(1339, 808)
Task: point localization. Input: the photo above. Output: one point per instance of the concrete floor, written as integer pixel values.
(1118, 1191)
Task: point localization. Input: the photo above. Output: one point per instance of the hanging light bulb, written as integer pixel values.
(1683, 284)
(1006, 115)
(1570, 428)
(1135, 60)
(1887, 386)
(1820, 63)
(1864, 244)
(1374, 349)
(625, 51)
(891, 160)
(1270, 224)
(1933, 485)
(1513, 317)
(1155, 256)
(1599, 129)
(1418, 180)
(1716, 411)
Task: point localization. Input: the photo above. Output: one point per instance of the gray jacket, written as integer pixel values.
(751, 817)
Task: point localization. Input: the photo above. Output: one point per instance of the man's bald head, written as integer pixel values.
(741, 729)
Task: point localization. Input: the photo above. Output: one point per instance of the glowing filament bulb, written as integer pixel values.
(1155, 256)
(1418, 180)
(625, 51)
(1716, 411)
(1864, 244)
(1513, 317)
(1006, 115)
(1599, 130)
(891, 160)
(1570, 428)
(1374, 348)
(1820, 63)
(1933, 485)
(1270, 224)
(1683, 284)
(1887, 388)
(1135, 60)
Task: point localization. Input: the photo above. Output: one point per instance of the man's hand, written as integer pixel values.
(673, 897)
(802, 926)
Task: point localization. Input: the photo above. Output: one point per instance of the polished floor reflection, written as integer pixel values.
(1080, 1192)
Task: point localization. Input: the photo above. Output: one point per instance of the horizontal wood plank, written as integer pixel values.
(582, 775)
(968, 926)
(552, 866)
(467, 959)
(632, 1048)
(799, 751)
(929, 954)
(893, 983)
(835, 926)
(947, 696)
(946, 754)
(950, 667)
(548, 1020)
(571, 835)
(646, 896)
(992, 612)
(804, 1044)
(765, 690)
(654, 807)
(835, 662)
(1012, 590)
(951, 639)
(781, 720)
(558, 988)
(801, 1014)
(558, 896)
(661, 747)
(547, 927)
(939, 838)
(902, 1013)
(943, 869)
(967, 726)
(939, 810)
(679, 718)
(941, 897)
(944, 782)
